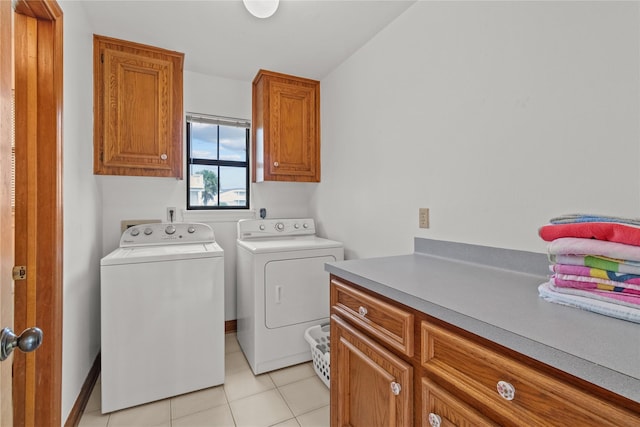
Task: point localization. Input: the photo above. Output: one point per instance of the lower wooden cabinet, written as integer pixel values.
(444, 376)
(508, 390)
(370, 386)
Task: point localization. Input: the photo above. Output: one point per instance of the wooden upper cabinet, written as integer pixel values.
(285, 128)
(138, 116)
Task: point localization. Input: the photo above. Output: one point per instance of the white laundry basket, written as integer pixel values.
(318, 339)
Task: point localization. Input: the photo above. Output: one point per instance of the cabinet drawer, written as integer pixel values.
(537, 399)
(441, 409)
(384, 321)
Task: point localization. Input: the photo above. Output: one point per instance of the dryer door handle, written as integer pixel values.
(278, 294)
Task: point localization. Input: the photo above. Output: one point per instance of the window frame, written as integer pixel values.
(217, 121)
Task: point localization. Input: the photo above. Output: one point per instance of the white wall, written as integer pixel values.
(496, 116)
(81, 209)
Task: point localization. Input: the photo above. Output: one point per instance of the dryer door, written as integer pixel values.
(296, 291)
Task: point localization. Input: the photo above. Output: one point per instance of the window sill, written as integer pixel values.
(217, 216)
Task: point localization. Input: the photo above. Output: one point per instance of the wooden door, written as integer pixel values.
(370, 385)
(6, 215)
(37, 42)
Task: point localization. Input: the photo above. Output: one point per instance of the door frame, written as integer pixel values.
(37, 391)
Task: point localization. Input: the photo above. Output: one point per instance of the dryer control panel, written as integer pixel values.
(271, 228)
(166, 233)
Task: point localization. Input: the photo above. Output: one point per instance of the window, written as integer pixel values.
(217, 162)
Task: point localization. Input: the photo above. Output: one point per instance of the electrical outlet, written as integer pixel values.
(172, 214)
(423, 217)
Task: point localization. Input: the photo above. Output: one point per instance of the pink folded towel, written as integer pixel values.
(598, 275)
(608, 231)
(578, 246)
(578, 282)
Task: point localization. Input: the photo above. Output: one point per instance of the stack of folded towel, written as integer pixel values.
(595, 264)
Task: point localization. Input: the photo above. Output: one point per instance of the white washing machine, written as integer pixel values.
(162, 314)
(282, 289)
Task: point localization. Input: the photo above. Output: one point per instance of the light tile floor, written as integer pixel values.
(289, 397)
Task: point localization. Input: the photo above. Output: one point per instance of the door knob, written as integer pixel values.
(29, 340)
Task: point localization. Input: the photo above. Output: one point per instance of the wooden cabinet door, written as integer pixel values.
(370, 386)
(286, 128)
(138, 109)
(441, 409)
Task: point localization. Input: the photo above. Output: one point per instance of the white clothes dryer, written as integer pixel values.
(162, 314)
(282, 289)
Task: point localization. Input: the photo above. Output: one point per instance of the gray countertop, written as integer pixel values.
(493, 293)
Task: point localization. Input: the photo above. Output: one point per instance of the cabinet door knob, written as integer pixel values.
(362, 311)
(434, 420)
(163, 156)
(506, 390)
(276, 164)
(395, 388)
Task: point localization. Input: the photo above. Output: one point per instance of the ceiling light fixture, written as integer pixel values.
(261, 8)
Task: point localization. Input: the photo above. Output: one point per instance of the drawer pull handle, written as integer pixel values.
(276, 164)
(506, 390)
(362, 311)
(434, 420)
(163, 156)
(395, 388)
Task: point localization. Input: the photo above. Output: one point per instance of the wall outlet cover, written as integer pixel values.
(423, 218)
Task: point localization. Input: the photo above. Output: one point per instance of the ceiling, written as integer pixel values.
(308, 38)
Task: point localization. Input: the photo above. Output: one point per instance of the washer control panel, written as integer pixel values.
(166, 233)
(259, 228)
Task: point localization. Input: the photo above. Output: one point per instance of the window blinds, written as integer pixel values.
(218, 120)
